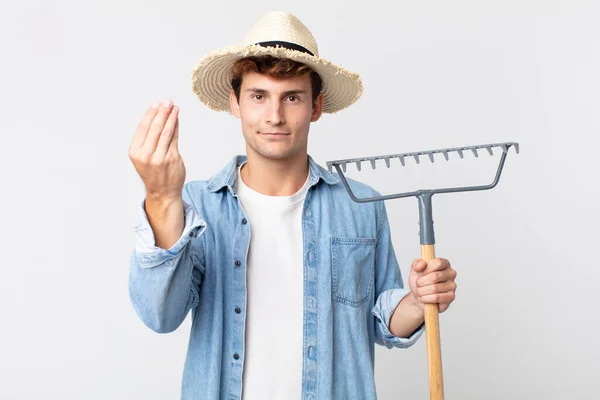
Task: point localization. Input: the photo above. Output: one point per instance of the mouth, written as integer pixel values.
(275, 133)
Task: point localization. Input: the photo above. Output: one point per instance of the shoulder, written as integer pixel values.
(358, 188)
(196, 192)
(339, 194)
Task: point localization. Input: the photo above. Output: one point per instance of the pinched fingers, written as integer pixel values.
(156, 127)
(174, 147)
(142, 129)
(168, 133)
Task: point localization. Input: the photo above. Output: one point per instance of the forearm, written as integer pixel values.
(166, 219)
(162, 293)
(407, 317)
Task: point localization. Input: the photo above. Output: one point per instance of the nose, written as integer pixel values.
(275, 114)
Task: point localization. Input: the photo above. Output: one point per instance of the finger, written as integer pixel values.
(167, 133)
(157, 127)
(142, 128)
(438, 298)
(437, 264)
(418, 265)
(174, 147)
(436, 277)
(436, 288)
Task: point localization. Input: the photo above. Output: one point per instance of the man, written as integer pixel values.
(290, 282)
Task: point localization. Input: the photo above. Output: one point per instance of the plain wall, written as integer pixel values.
(77, 77)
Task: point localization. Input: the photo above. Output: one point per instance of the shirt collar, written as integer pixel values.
(227, 176)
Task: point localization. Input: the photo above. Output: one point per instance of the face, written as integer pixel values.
(276, 115)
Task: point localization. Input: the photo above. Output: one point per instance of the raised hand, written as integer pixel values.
(156, 158)
(155, 154)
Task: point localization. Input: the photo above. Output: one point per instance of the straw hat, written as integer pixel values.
(281, 35)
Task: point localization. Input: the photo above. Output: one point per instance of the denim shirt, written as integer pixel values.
(352, 285)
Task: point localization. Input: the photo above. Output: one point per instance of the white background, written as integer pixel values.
(77, 76)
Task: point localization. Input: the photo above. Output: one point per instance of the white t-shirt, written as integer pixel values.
(275, 275)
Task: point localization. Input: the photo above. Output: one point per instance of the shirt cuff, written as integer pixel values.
(383, 310)
(148, 254)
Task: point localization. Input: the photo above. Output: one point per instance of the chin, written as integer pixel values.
(276, 155)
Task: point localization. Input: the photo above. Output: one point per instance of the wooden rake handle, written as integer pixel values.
(432, 332)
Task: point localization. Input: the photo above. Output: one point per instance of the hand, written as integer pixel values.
(154, 152)
(433, 282)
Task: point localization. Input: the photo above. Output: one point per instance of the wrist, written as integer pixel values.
(162, 200)
(414, 307)
(407, 317)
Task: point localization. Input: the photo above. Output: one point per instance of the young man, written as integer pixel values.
(290, 282)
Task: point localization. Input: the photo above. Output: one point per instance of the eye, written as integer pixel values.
(257, 96)
(295, 98)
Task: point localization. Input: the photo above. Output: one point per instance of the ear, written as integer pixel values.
(233, 104)
(317, 108)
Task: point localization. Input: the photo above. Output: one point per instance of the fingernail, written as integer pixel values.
(167, 103)
(155, 105)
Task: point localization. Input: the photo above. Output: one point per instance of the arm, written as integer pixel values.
(166, 219)
(164, 284)
(165, 274)
(407, 317)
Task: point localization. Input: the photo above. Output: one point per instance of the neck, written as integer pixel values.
(275, 177)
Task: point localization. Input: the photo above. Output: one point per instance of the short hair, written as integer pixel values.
(275, 67)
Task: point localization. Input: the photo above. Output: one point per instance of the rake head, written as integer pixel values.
(341, 167)
(423, 195)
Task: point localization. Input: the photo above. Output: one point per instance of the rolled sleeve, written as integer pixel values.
(383, 310)
(148, 254)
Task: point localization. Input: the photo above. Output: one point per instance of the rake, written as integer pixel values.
(427, 237)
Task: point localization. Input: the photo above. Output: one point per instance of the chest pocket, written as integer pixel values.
(353, 265)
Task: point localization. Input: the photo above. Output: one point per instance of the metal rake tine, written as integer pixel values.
(416, 156)
(387, 161)
(402, 160)
(373, 163)
(517, 147)
(445, 154)
(489, 149)
(343, 167)
(357, 164)
(475, 152)
(430, 154)
(460, 153)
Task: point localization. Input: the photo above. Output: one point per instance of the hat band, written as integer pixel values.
(287, 45)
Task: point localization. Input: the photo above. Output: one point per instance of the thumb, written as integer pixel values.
(419, 265)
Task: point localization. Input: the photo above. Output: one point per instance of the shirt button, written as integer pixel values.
(237, 263)
(237, 310)
(191, 234)
(236, 356)
(244, 221)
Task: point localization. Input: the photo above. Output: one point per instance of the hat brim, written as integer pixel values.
(211, 80)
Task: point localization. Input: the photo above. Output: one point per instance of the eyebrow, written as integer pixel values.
(286, 93)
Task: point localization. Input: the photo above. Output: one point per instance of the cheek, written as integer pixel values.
(302, 124)
(251, 114)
